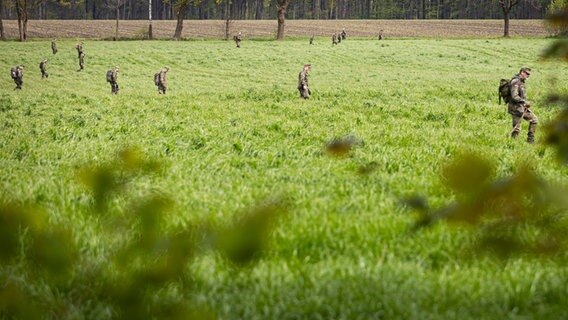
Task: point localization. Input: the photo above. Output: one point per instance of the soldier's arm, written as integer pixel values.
(515, 96)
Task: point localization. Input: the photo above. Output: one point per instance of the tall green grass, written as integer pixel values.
(232, 131)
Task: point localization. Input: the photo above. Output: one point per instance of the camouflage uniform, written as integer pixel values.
(81, 61)
(42, 68)
(343, 34)
(303, 82)
(519, 108)
(163, 80)
(380, 35)
(79, 48)
(312, 40)
(334, 39)
(238, 39)
(19, 77)
(54, 46)
(339, 37)
(113, 80)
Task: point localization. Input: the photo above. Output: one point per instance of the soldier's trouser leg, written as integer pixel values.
(516, 125)
(533, 123)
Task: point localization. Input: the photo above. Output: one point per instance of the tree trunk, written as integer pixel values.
(22, 12)
(150, 19)
(117, 16)
(317, 13)
(2, 35)
(507, 5)
(282, 6)
(180, 13)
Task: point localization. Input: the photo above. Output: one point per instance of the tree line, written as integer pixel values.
(228, 10)
(268, 9)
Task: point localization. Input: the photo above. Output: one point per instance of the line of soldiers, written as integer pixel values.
(519, 107)
(17, 73)
(337, 37)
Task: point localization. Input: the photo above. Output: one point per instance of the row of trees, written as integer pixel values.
(267, 9)
(271, 9)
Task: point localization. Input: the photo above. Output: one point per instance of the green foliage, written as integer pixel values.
(517, 214)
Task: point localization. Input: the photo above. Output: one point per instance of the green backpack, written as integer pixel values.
(505, 90)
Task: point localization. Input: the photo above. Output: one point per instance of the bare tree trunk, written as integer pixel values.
(507, 5)
(180, 13)
(117, 17)
(22, 12)
(150, 19)
(2, 35)
(227, 20)
(282, 6)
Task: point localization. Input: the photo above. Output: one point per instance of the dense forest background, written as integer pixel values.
(267, 9)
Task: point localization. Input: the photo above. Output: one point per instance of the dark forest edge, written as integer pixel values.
(282, 10)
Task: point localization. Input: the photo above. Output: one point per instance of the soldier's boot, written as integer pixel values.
(514, 134)
(532, 129)
(530, 137)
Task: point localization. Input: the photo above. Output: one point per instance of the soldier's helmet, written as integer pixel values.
(21, 67)
(167, 68)
(116, 68)
(307, 66)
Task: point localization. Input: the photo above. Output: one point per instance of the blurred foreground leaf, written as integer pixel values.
(521, 213)
(247, 237)
(341, 147)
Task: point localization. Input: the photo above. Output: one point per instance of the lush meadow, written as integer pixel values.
(232, 132)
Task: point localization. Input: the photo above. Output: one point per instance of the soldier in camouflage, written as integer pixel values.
(334, 39)
(42, 68)
(79, 47)
(18, 76)
(343, 34)
(163, 80)
(312, 39)
(81, 61)
(53, 46)
(238, 39)
(113, 80)
(303, 82)
(519, 107)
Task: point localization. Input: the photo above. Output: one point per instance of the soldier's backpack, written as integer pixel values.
(14, 73)
(505, 90)
(157, 79)
(109, 76)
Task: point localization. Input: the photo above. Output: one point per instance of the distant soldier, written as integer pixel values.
(343, 34)
(312, 39)
(339, 37)
(112, 77)
(42, 68)
(81, 61)
(380, 35)
(519, 107)
(79, 47)
(161, 80)
(54, 46)
(238, 39)
(303, 82)
(334, 39)
(17, 74)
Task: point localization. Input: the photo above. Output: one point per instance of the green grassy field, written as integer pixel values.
(232, 132)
